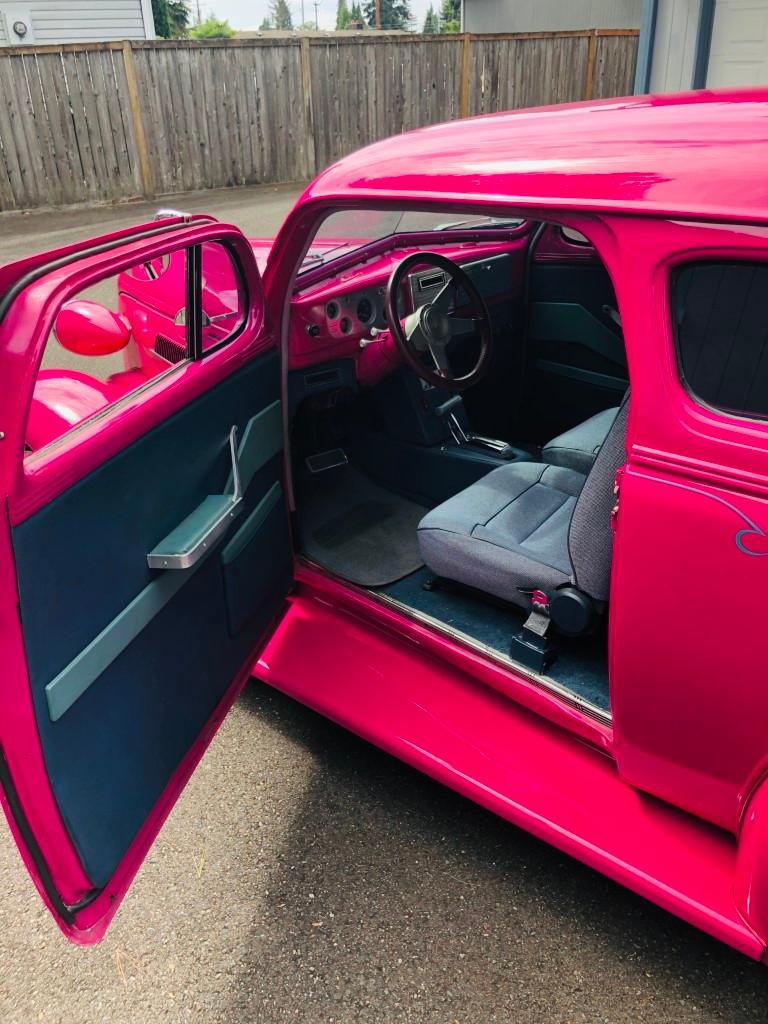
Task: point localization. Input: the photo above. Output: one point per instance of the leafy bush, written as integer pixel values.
(212, 28)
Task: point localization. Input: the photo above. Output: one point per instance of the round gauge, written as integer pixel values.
(345, 324)
(332, 310)
(365, 311)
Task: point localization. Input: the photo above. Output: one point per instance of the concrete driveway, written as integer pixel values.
(305, 876)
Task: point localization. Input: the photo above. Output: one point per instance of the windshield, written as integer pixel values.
(350, 229)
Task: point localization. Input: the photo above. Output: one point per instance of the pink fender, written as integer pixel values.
(751, 878)
(64, 398)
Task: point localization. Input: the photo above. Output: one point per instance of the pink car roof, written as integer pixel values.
(700, 154)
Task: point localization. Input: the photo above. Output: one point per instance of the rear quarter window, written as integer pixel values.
(720, 319)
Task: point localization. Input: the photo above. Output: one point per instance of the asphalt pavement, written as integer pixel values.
(306, 877)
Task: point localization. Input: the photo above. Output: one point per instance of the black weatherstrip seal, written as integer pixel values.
(63, 910)
(46, 268)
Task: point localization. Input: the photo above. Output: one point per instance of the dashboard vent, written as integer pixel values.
(169, 350)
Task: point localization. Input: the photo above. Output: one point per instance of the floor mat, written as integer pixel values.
(359, 530)
(581, 665)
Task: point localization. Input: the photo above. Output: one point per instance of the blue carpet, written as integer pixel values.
(581, 665)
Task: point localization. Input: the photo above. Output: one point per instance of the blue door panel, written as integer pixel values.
(82, 559)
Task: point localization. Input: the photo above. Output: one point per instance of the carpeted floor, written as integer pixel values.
(359, 530)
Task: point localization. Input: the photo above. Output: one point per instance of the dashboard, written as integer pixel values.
(331, 318)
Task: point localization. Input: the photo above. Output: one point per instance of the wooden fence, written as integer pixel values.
(104, 122)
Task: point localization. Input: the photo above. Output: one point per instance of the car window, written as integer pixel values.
(347, 230)
(720, 314)
(223, 298)
(118, 336)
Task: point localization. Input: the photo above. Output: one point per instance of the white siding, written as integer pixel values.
(739, 51)
(58, 21)
(674, 50)
(549, 15)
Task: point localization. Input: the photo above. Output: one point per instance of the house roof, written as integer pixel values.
(701, 154)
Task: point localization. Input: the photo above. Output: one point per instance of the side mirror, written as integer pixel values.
(89, 329)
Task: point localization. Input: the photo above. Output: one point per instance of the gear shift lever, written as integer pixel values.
(447, 411)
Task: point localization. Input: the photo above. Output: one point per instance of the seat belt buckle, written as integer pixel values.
(531, 645)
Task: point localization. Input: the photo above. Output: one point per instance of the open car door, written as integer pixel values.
(144, 550)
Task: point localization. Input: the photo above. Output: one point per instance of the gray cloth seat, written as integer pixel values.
(577, 448)
(530, 525)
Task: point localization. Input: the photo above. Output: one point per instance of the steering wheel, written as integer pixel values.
(432, 326)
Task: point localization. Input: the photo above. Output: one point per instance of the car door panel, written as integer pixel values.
(576, 352)
(129, 667)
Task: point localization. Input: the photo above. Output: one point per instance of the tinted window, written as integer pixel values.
(720, 313)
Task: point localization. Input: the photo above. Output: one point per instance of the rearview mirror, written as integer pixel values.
(89, 329)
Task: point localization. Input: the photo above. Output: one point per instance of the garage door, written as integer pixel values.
(739, 51)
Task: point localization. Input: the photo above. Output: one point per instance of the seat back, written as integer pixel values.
(590, 537)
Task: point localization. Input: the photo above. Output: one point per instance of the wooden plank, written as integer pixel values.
(93, 171)
(138, 121)
(466, 44)
(310, 162)
(99, 116)
(176, 133)
(590, 72)
(11, 139)
(121, 123)
(33, 152)
(7, 198)
(60, 133)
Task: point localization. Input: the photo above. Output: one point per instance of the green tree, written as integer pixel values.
(178, 17)
(395, 14)
(356, 15)
(431, 23)
(212, 28)
(342, 15)
(280, 14)
(450, 16)
(161, 19)
(266, 25)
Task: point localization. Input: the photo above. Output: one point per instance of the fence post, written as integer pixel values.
(309, 117)
(591, 55)
(465, 68)
(138, 121)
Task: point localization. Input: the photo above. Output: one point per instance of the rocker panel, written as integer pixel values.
(488, 748)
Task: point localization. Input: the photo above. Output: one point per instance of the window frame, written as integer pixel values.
(675, 272)
(194, 352)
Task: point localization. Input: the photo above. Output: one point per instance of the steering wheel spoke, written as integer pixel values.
(462, 324)
(414, 333)
(440, 358)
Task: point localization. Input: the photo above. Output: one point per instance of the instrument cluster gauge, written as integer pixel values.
(366, 312)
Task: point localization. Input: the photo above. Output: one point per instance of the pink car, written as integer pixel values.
(391, 464)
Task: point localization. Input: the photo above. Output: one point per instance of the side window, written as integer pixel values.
(720, 319)
(223, 300)
(119, 335)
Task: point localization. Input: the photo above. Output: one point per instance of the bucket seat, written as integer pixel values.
(530, 526)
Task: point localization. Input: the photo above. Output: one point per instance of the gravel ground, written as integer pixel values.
(305, 876)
